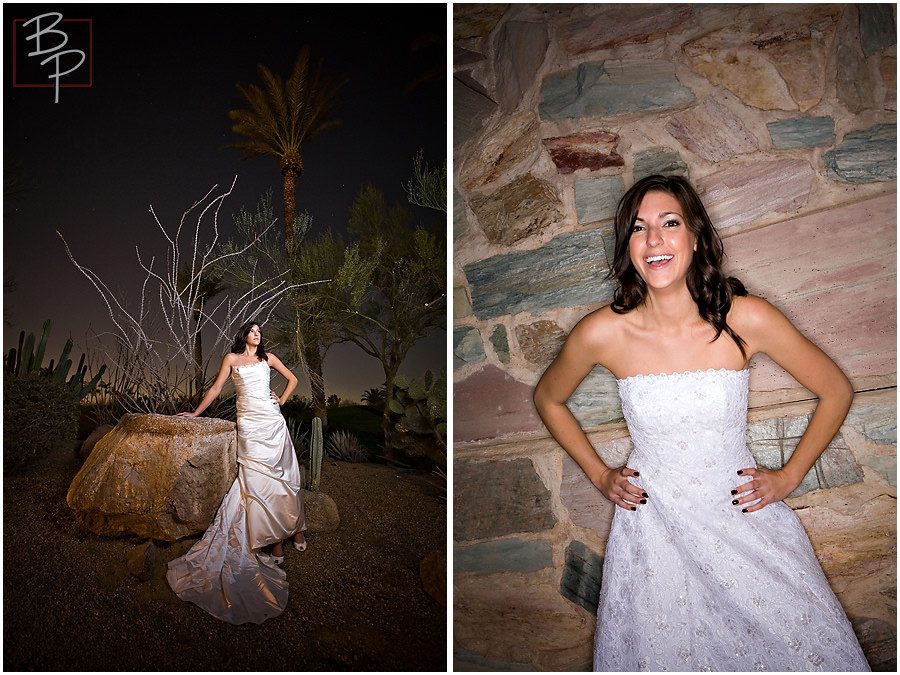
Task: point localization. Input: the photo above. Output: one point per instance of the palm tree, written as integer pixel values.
(284, 115)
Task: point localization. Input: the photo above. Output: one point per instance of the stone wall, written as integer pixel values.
(784, 117)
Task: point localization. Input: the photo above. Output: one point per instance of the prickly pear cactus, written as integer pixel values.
(422, 405)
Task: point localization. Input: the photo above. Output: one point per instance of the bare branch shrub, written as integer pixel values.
(152, 359)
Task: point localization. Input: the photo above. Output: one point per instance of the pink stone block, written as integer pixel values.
(712, 131)
(742, 194)
(603, 26)
(833, 274)
(491, 404)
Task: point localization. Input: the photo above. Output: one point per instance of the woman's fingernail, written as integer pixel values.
(643, 501)
(734, 501)
(644, 494)
(743, 510)
(734, 492)
(636, 473)
(634, 508)
(741, 472)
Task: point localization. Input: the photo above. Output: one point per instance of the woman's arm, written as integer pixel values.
(276, 363)
(768, 330)
(216, 389)
(555, 387)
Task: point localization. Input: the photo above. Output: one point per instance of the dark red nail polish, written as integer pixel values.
(644, 494)
(743, 510)
(643, 501)
(734, 492)
(740, 473)
(634, 508)
(734, 501)
(636, 473)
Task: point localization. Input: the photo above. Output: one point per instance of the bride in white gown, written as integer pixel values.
(705, 568)
(225, 572)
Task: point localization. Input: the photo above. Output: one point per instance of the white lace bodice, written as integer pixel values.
(692, 423)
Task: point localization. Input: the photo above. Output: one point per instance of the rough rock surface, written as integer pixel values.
(321, 512)
(433, 571)
(156, 476)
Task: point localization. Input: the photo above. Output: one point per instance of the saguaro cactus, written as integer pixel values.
(315, 454)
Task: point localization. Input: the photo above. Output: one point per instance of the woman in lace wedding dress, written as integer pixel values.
(706, 568)
(225, 572)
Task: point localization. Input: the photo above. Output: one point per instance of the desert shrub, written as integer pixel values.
(38, 412)
(299, 407)
(346, 447)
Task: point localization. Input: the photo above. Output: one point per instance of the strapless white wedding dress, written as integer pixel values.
(690, 583)
(224, 572)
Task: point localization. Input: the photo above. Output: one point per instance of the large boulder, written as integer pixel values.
(156, 476)
(88, 446)
(321, 512)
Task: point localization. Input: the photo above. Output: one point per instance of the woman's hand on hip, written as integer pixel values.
(616, 487)
(766, 485)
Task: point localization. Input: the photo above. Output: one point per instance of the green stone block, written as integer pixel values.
(582, 576)
(597, 198)
(568, 270)
(467, 347)
(612, 87)
(659, 162)
(806, 132)
(505, 555)
(868, 156)
(501, 343)
(498, 498)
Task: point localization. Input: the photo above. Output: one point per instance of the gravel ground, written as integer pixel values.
(356, 599)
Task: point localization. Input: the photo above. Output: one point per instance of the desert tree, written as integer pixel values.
(391, 287)
(303, 322)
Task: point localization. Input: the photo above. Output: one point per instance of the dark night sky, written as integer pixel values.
(152, 129)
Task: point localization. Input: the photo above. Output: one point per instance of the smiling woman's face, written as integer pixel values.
(661, 246)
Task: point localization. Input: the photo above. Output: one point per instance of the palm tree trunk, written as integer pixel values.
(290, 208)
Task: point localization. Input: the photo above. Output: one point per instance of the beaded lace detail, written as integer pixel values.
(689, 582)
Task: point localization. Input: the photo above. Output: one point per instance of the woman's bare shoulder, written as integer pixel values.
(600, 328)
(750, 312)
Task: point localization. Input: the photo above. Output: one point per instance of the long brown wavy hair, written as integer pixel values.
(707, 283)
(240, 341)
